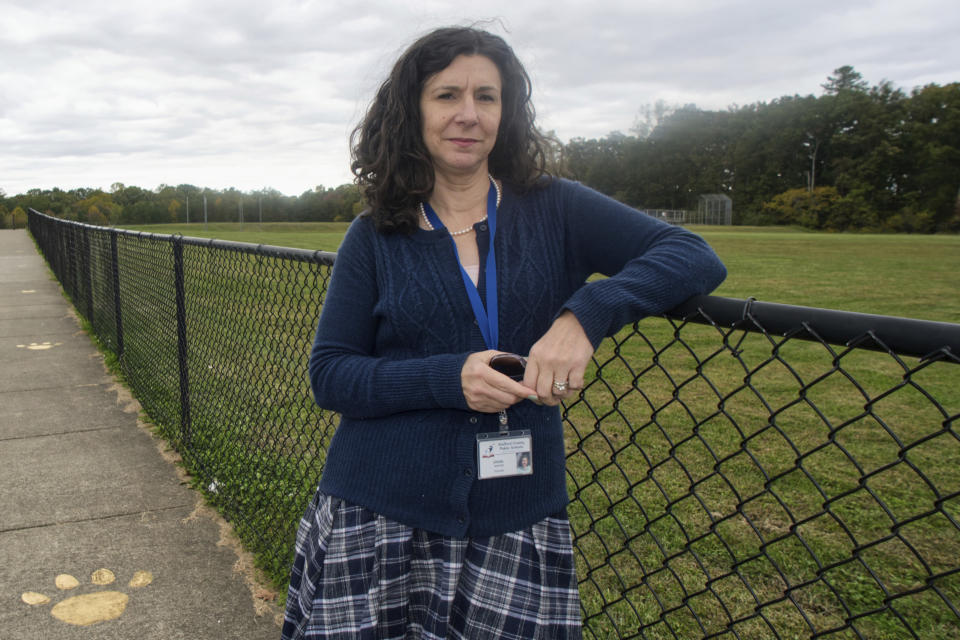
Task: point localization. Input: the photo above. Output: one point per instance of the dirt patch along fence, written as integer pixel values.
(736, 468)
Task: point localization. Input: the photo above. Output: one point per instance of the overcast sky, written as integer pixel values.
(254, 94)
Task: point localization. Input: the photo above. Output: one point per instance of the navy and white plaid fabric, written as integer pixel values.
(358, 575)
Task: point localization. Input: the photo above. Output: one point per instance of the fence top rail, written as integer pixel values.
(303, 255)
(903, 336)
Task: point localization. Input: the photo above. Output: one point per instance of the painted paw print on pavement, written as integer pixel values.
(39, 346)
(89, 608)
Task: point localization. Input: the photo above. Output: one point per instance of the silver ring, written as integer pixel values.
(559, 387)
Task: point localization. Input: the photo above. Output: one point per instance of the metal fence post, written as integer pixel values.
(182, 340)
(88, 274)
(115, 268)
(69, 271)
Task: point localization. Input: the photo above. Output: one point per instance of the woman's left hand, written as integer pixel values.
(561, 356)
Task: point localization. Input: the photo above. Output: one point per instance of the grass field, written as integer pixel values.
(721, 481)
(915, 276)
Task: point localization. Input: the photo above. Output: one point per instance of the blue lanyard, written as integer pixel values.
(486, 318)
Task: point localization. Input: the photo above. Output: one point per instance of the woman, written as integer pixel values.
(423, 526)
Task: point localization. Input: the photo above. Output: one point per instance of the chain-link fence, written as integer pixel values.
(733, 472)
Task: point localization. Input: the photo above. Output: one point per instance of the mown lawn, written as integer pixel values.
(902, 275)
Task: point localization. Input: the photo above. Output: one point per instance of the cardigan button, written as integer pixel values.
(467, 471)
(483, 227)
(473, 419)
(461, 519)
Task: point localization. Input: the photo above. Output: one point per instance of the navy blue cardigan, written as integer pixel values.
(396, 328)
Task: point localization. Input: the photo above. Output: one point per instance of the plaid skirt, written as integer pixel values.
(358, 575)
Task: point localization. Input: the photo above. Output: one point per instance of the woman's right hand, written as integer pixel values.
(489, 391)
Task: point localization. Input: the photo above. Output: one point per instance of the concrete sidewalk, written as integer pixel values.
(84, 487)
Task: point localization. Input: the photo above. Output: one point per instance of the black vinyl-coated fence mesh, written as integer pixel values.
(733, 472)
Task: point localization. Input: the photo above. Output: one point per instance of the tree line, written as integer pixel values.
(854, 158)
(128, 205)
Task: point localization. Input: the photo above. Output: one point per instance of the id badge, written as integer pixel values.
(504, 454)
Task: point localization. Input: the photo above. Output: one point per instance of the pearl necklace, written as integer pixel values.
(426, 221)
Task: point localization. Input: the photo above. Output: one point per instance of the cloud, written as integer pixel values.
(252, 94)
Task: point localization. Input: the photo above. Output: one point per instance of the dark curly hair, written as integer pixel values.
(389, 158)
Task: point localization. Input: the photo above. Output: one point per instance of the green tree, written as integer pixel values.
(866, 145)
(18, 218)
(928, 177)
(649, 117)
(844, 78)
(808, 208)
(97, 208)
(173, 210)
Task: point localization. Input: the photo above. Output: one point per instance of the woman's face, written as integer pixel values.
(460, 110)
